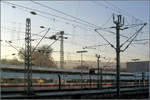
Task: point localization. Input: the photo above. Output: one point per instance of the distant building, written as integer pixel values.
(140, 66)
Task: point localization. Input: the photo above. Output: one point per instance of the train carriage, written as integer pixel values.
(12, 79)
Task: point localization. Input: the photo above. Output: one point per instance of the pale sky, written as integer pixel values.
(97, 12)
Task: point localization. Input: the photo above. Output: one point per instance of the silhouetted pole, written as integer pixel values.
(99, 81)
(119, 23)
(61, 49)
(0, 47)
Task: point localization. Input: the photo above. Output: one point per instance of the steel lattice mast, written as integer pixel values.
(28, 63)
(61, 49)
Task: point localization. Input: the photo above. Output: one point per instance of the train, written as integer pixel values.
(12, 79)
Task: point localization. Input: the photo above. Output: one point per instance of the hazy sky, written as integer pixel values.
(97, 12)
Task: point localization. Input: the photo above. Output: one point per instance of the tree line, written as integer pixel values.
(42, 56)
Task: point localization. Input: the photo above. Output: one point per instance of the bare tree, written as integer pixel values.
(41, 56)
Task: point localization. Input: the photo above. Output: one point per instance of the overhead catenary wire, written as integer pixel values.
(41, 40)
(113, 33)
(23, 39)
(109, 7)
(133, 38)
(105, 39)
(35, 26)
(45, 16)
(64, 13)
(100, 28)
(142, 40)
(94, 46)
(15, 48)
(34, 34)
(144, 43)
(107, 21)
(47, 13)
(121, 11)
(48, 37)
(92, 27)
(133, 25)
(52, 43)
(11, 44)
(130, 38)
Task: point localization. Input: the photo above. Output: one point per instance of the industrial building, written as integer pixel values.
(140, 66)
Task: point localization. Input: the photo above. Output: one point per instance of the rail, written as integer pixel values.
(73, 93)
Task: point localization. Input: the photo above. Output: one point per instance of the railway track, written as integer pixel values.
(67, 93)
(55, 90)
